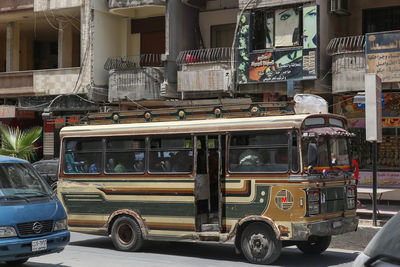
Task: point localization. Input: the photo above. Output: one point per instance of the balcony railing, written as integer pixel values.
(348, 63)
(133, 62)
(211, 55)
(134, 3)
(16, 83)
(349, 44)
(10, 5)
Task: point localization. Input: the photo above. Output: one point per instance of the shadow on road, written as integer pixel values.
(33, 264)
(290, 256)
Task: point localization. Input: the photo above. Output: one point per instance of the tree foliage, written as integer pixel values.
(19, 143)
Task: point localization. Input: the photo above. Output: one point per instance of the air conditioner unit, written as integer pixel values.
(339, 7)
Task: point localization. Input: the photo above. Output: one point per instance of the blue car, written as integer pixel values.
(33, 221)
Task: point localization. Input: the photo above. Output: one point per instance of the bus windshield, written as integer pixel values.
(325, 152)
(21, 180)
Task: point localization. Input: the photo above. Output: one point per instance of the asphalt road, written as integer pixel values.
(88, 251)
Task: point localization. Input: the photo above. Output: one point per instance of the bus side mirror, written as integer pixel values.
(312, 154)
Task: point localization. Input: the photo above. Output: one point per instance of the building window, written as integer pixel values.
(222, 35)
(381, 19)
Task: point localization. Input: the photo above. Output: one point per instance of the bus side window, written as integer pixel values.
(82, 156)
(259, 152)
(125, 155)
(171, 155)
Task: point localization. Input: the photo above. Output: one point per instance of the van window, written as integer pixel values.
(259, 153)
(83, 156)
(125, 155)
(171, 155)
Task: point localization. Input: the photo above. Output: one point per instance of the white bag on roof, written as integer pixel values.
(310, 104)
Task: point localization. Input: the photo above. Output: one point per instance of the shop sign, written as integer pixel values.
(383, 55)
(61, 121)
(26, 114)
(384, 179)
(7, 111)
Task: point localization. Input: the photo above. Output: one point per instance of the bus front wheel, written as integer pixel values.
(126, 234)
(259, 244)
(316, 245)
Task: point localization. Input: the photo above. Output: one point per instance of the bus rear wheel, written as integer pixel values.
(126, 234)
(259, 244)
(316, 245)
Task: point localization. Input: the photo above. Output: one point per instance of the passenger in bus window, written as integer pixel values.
(120, 167)
(93, 168)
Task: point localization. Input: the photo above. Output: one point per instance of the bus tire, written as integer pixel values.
(259, 244)
(17, 262)
(126, 234)
(315, 246)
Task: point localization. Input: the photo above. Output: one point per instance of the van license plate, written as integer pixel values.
(38, 245)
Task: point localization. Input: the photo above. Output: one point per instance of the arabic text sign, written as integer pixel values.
(383, 55)
(384, 179)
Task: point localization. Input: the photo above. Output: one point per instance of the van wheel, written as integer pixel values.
(259, 244)
(317, 245)
(17, 262)
(126, 234)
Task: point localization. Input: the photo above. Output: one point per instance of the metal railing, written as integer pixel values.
(133, 62)
(349, 44)
(133, 3)
(204, 56)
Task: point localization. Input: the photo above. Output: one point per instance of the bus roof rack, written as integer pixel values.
(192, 113)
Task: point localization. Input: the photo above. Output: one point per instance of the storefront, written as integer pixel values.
(388, 150)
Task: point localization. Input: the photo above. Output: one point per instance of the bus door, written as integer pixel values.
(210, 154)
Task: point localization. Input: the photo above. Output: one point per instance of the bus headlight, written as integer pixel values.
(313, 208)
(313, 201)
(61, 225)
(7, 231)
(351, 197)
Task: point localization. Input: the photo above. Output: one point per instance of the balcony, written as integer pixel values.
(135, 78)
(14, 84)
(205, 70)
(138, 9)
(348, 63)
(43, 5)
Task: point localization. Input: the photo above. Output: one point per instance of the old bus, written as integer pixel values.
(263, 182)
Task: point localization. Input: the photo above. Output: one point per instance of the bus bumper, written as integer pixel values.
(336, 226)
(12, 249)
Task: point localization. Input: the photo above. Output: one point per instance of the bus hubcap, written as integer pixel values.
(125, 233)
(258, 244)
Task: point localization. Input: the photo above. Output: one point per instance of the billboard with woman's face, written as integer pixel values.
(310, 27)
(287, 27)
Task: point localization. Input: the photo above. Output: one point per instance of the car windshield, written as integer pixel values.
(386, 241)
(21, 180)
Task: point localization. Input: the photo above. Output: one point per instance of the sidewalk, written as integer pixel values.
(356, 240)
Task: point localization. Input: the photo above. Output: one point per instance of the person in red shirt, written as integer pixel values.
(355, 169)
